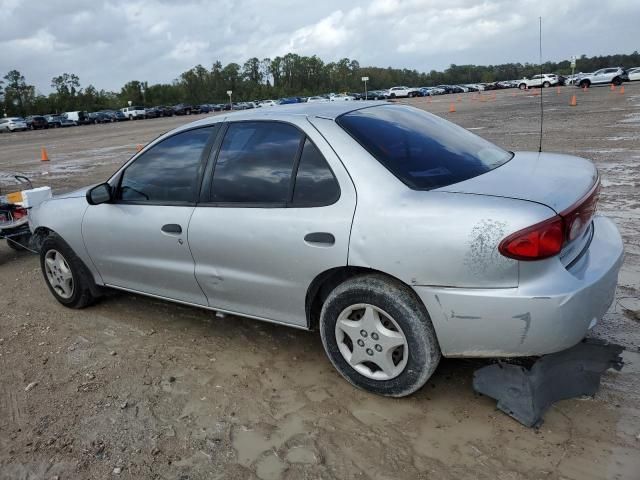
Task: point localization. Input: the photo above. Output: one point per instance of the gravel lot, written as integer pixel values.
(137, 388)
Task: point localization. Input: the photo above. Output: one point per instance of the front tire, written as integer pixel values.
(585, 84)
(617, 81)
(546, 85)
(68, 279)
(522, 86)
(379, 336)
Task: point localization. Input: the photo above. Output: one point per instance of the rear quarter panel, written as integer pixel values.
(428, 237)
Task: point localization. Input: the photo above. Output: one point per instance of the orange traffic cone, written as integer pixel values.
(573, 101)
(138, 147)
(557, 90)
(43, 155)
(613, 87)
(584, 89)
(429, 98)
(452, 107)
(536, 93)
(622, 90)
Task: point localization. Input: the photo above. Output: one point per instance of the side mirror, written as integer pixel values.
(99, 194)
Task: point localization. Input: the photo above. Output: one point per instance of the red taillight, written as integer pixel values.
(19, 213)
(542, 240)
(578, 216)
(545, 239)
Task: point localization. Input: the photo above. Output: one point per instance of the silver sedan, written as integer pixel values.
(399, 236)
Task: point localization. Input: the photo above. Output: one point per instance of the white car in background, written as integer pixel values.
(268, 103)
(634, 74)
(341, 97)
(134, 113)
(544, 80)
(317, 99)
(12, 124)
(402, 92)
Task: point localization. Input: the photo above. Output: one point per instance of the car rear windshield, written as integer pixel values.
(421, 149)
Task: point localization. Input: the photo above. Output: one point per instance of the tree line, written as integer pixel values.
(282, 76)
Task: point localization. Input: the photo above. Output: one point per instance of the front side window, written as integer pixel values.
(421, 149)
(169, 172)
(255, 163)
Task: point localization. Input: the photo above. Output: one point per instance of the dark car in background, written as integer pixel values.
(183, 109)
(98, 117)
(289, 100)
(152, 112)
(36, 122)
(114, 115)
(164, 111)
(54, 121)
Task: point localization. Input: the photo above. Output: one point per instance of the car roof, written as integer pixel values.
(327, 110)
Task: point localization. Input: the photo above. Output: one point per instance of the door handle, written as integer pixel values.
(320, 238)
(173, 228)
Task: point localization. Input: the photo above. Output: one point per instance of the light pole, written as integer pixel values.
(229, 92)
(365, 80)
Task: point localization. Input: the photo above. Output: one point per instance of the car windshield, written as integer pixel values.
(421, 149)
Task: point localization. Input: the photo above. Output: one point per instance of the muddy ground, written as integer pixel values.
(137, 388)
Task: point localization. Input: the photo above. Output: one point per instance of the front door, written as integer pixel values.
(278, 212)
(139, 241)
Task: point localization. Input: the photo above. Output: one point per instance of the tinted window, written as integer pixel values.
(169, 171)
(422, 150)
(255, 163)
(315, 183)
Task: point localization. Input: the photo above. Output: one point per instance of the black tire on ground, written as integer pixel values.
(522, 86)
(616, 81)
(403, 305)
(83, 283)
(585, 83)
(546, 85)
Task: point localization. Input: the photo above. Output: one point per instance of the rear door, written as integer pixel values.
(139, 241)
(276, 212)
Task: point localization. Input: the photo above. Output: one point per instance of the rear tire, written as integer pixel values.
(546, 85)
(68, 279)
(616, 81)
(371, 357)
(585, 84)
(522, 86)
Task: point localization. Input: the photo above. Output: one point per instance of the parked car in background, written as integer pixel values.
(376, 95)
(115, 115)
(36, 122)
(316, 99)
(183, 109)
(633, 74)
(398, 235)
(98, 117)
(134, 113)
(151, 112)
(288, 100)
(341, 97)
(12, 124)
(268, 103)
(54, 120)
(77, 117)
(401, 92)
(604, 76)
(544, 80)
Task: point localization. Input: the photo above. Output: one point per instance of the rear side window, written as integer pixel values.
(168, 172)
(315, 184)
(421, 149)
(255, 163)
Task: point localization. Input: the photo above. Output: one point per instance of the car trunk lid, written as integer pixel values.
(555, 180)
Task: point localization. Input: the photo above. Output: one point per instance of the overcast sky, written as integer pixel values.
(108, 42)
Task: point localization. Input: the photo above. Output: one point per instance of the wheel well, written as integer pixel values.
(323, 285)
(39, 235)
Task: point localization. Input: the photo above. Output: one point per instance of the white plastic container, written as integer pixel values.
(35, 196)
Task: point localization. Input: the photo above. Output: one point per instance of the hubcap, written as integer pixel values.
(58, 273)
(372, 342)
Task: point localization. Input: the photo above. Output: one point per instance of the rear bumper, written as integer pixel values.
(552, 308)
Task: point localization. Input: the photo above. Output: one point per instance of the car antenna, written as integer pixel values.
(541, 88)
